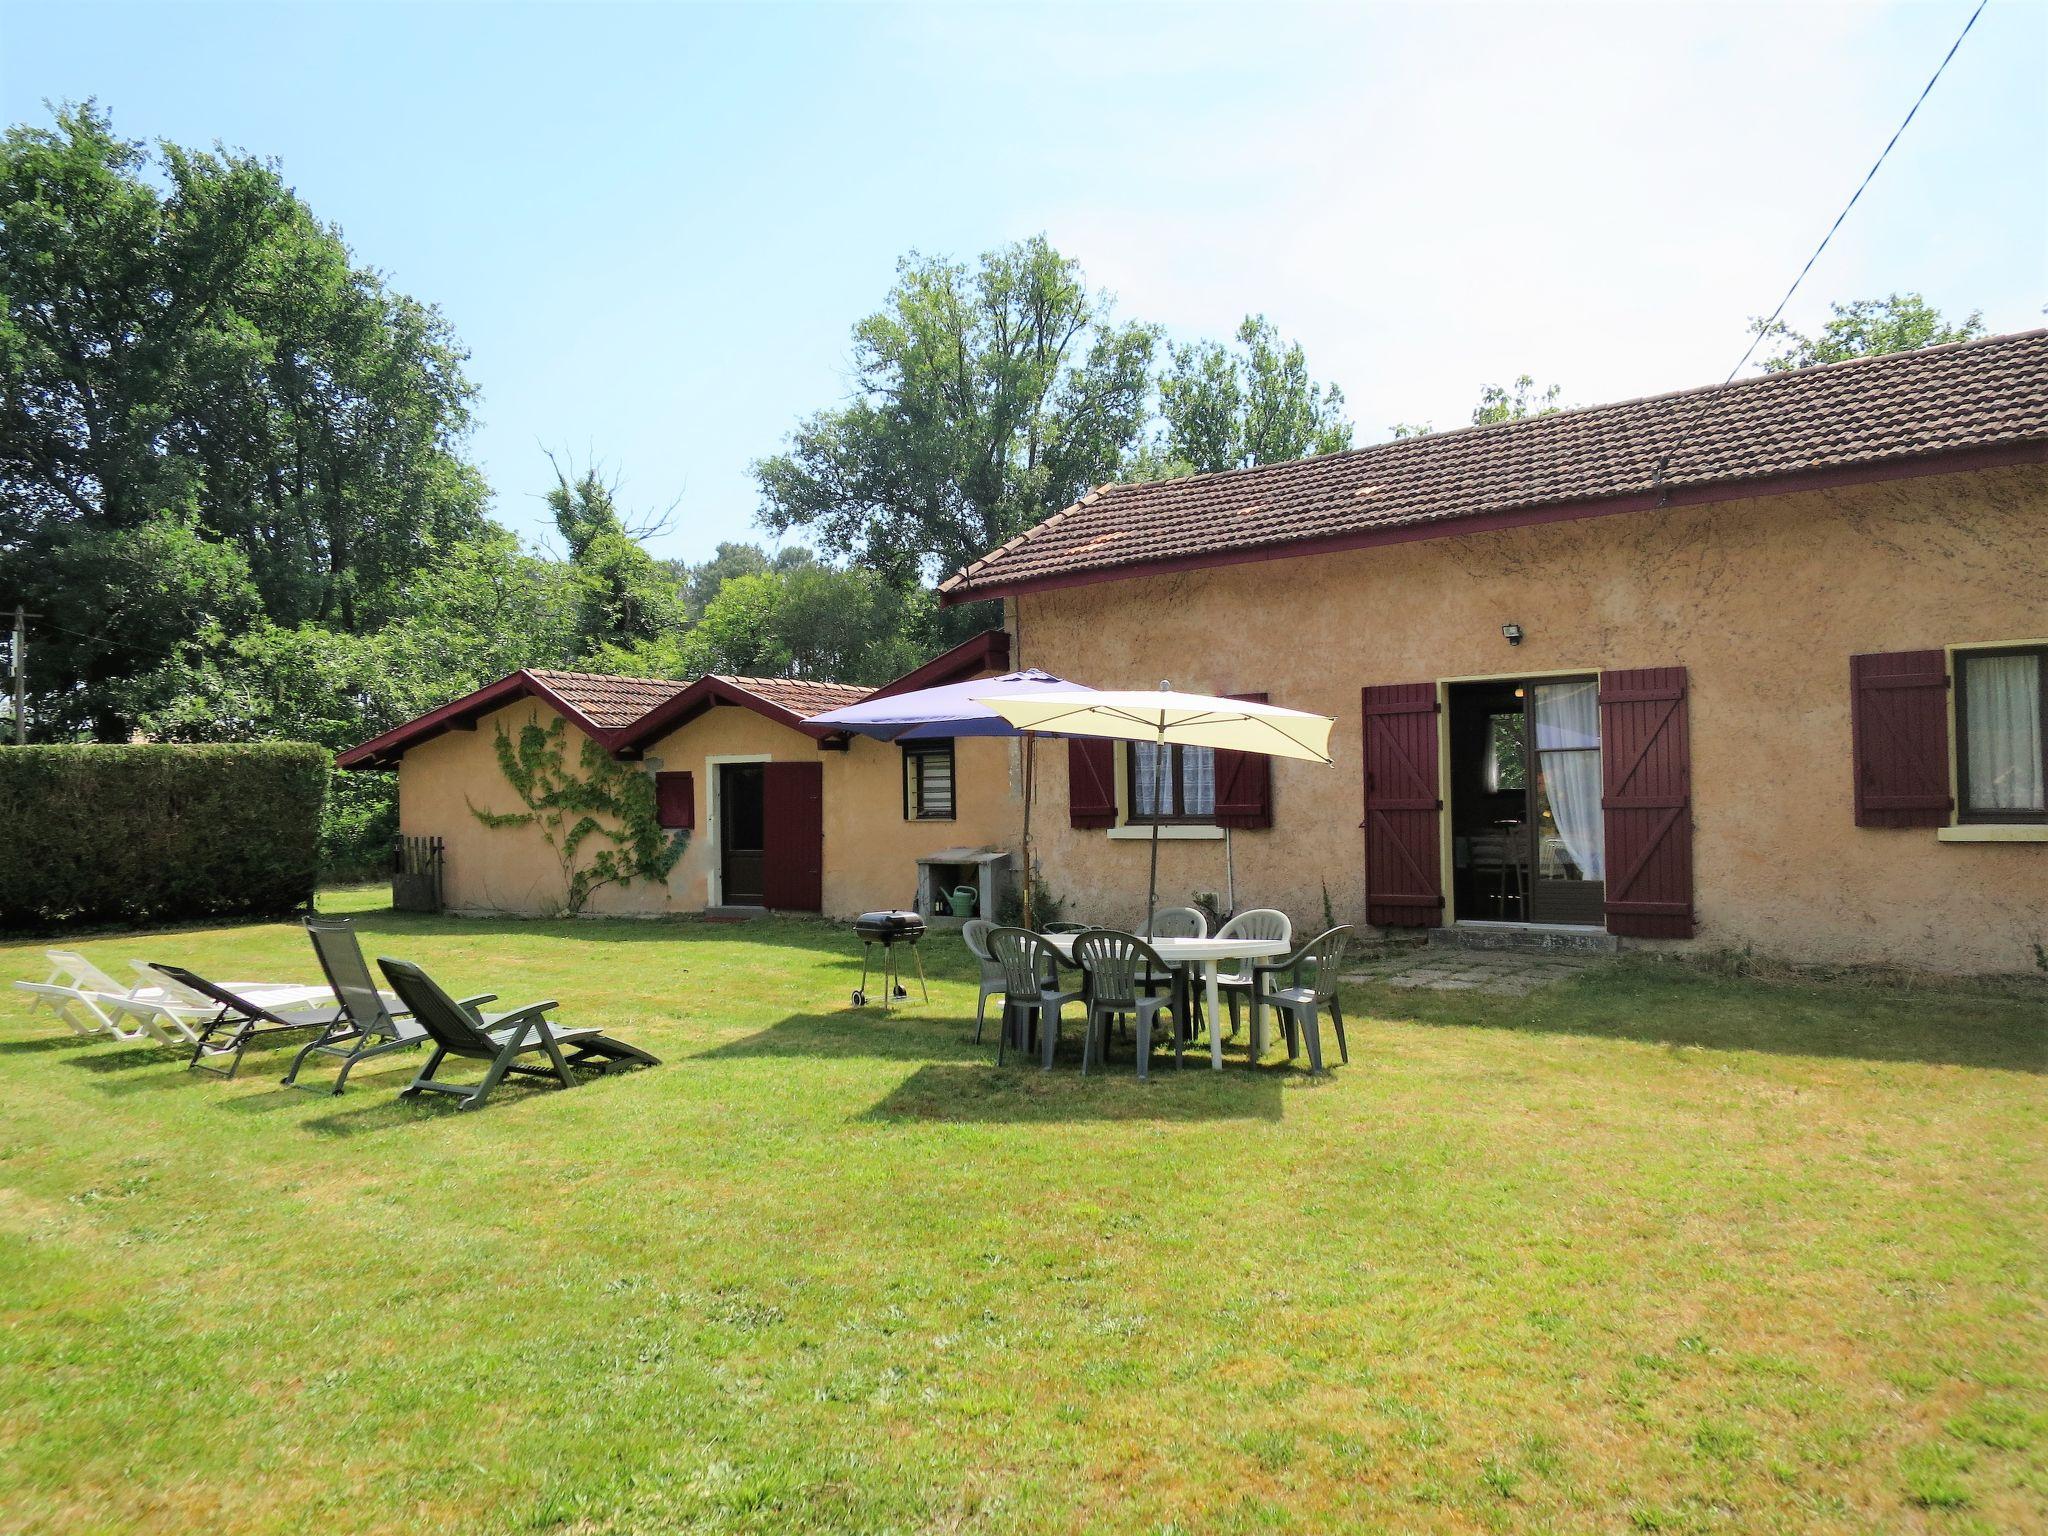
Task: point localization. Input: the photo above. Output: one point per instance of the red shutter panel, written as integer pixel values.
(1646, 773)
(1403, 812)
(793, 836)
(1244, 783)
(675, 800)
(1898, 731)
(1091, 782)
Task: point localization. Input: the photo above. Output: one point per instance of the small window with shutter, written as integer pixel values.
(675, 801)
(928, 780)
(2001, 763)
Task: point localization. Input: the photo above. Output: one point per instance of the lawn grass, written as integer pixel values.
(1649, 1250)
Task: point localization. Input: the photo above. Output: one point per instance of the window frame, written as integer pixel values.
(915, 753)
(1180, 818)
(1960, 659)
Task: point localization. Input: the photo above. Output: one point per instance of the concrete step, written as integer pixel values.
(1528, 938)
(733, 914)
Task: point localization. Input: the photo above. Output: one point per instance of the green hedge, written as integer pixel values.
(142, 834)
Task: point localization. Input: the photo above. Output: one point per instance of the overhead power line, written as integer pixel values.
(1764, 329)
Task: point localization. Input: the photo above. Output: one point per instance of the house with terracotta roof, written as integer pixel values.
(1761, 666)
(768, 810)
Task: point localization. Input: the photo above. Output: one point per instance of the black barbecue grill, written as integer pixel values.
(888, 929)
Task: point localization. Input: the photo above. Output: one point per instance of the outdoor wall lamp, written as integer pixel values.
(1512, 633)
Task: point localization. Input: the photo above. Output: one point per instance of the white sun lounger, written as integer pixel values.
(85, 997)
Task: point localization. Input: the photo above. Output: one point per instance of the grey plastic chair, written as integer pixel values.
(1026, 960)
(1116, 964)
(1176, 923)
(974, 934)
(1258, 923)
(1314, 969)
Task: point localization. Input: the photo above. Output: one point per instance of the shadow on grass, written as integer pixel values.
(130, 1058)
(50, 1043)
(384, 1109)
(907, 1034)
(986, 1094)
(1660, 1003)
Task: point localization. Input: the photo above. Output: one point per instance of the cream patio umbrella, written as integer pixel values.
(1167, 719)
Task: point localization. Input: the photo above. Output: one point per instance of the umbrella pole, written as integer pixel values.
(1229, 875)
(1030, 784)
(1152, 882)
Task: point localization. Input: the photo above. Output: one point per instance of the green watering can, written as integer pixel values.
(962, 901)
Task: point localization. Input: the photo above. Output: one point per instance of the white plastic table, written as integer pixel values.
(1204, 953)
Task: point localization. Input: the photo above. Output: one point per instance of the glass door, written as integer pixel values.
(1568, 846)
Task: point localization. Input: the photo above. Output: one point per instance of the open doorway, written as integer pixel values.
(742, 834)
(1527, 840)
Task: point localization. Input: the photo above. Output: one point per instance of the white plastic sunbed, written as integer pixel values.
(154, 1006)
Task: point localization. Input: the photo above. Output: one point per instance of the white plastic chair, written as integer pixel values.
(1258, 923)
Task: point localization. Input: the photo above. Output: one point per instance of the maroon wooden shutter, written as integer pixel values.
(793, 836)
(1646, 768)
(1898, 731)
(675, 799)
(1404, 885)
(1091, 782)
(1244, 783)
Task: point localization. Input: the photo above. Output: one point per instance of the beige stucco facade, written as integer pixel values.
(870, 849)
(1763, 602)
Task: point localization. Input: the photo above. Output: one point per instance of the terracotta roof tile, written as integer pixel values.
(1978, 394)
(609, 703)
(800, 695)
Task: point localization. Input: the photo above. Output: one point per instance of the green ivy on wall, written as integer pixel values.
(599, 818)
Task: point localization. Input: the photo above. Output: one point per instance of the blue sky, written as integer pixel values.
(654, 226)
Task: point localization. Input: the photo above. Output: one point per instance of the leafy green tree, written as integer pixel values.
(1229, 409)
(1514, 402)
(729, 560)
(985, 400)
(1899, 322)
(185, 347)
(627, 597)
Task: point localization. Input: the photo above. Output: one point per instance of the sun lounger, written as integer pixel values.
(237, 1020)
(499, 1039)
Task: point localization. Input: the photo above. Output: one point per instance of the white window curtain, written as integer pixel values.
(2002, 712)
(1198, 780)
(1568, 753)
(1145, 764)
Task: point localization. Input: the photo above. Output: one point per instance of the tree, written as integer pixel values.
(1257, 405)
(627, 597)
(797, 618)
(1900, 322)
(985, 400)
(187, 354)
(1514, 402)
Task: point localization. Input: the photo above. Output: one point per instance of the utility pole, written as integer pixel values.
(19, 657)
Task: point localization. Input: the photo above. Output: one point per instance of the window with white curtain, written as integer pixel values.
(2001, 697)
(1171, 784)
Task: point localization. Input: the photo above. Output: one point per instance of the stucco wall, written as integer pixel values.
(869, 854)
(1763, 601)
(870, 850)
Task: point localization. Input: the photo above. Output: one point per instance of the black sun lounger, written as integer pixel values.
(498, 1038)
(239, 1021)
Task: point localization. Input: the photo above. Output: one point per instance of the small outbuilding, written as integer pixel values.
(693, 796)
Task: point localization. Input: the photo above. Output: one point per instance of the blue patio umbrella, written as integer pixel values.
(948, 711)
(951, 710)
